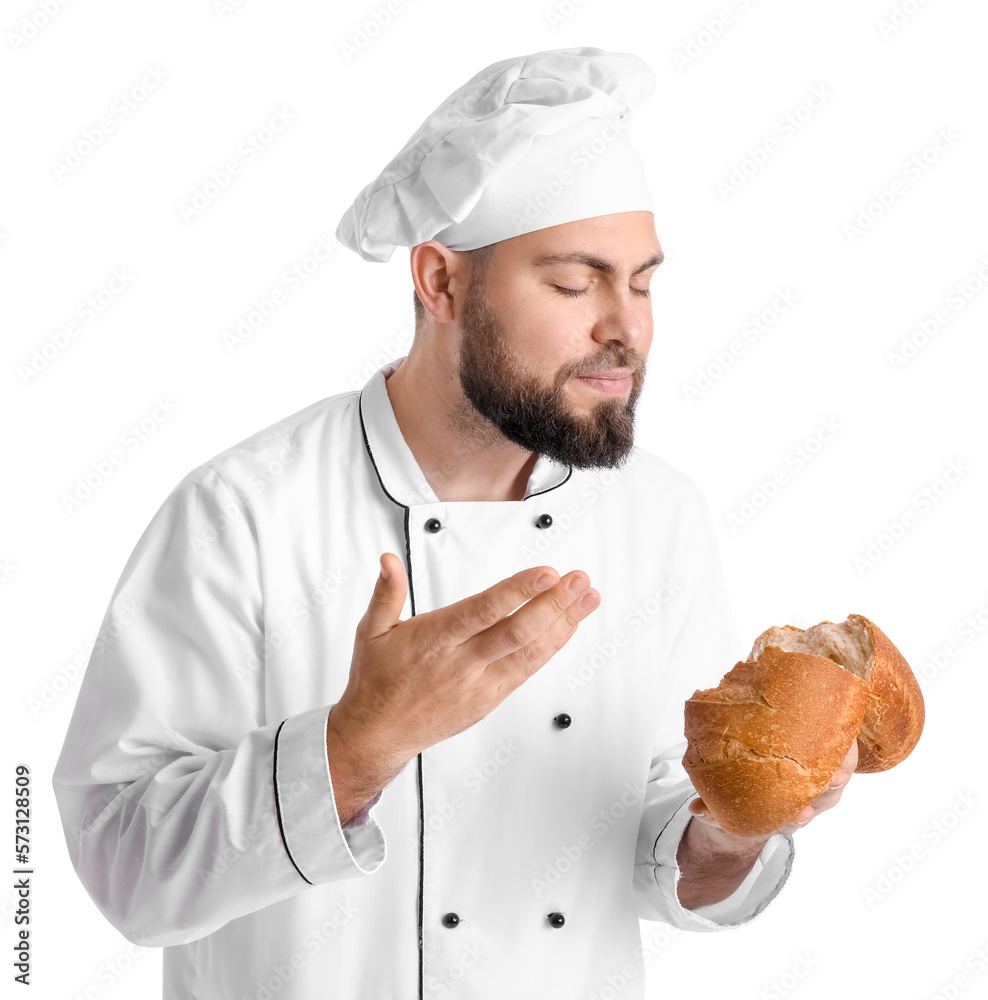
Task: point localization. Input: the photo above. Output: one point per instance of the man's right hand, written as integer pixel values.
(416, 682)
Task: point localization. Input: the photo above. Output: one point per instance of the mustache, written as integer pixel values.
(634, 363)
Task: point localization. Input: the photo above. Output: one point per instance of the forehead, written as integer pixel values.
(609, 243)
(590, 258)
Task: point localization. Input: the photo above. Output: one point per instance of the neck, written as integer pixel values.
(461, 454)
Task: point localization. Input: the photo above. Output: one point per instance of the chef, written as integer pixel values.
(401, 715)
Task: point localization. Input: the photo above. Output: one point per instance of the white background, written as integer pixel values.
(898, 428)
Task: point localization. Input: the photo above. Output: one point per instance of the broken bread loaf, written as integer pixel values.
(770, 737)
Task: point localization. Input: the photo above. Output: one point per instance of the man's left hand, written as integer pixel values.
(826, 800)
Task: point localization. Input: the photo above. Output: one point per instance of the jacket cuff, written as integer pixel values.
(318, 846)
(762, 884)
(361, 817)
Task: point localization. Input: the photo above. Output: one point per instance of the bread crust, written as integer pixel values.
(893, 725)
(770, 737)
(765, 742)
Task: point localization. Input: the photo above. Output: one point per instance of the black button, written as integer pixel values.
(556, 919)
(562, 720)
(433, 524)
(451, 919)
(543, 521)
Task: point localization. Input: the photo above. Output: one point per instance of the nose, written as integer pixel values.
(625, 320)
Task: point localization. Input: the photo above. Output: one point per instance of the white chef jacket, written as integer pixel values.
(513, 859)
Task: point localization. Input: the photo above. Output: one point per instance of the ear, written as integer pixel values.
(440, 275)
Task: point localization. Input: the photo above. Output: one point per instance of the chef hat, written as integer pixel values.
(528, 142)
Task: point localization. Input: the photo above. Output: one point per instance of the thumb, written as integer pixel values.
(698, 808)
(388, 597)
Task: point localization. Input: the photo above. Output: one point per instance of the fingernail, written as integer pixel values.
(544, 581)
(589, 602)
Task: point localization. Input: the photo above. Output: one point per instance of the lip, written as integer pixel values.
(613, 383)
(615, 373)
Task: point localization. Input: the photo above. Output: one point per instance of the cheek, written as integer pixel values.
(648, 334)
(574, 340)
(544, 328)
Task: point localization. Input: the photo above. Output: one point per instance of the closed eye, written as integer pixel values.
(575, 292)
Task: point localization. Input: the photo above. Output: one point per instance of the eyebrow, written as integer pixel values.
(592, 260)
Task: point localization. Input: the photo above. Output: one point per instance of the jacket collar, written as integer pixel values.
(397, 469)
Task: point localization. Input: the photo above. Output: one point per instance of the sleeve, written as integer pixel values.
(703, 644)
(182, 806)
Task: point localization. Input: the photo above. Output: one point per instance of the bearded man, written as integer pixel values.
(409, 719)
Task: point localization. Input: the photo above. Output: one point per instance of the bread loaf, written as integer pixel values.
(770, 737)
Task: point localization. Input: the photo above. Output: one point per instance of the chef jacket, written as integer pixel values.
(514, 859)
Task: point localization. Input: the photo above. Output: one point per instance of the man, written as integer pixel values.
(458, 772)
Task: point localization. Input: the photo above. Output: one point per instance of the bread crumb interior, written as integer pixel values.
(847, 643)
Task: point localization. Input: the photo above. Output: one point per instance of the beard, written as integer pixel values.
(533, 411)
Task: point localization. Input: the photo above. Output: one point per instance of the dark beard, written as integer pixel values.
(536, 416)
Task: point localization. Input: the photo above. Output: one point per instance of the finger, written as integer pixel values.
(804, 816)
(388, 597)
(709, 823)
(530, 626)
(698, 809)
(828, 798)
(511, 670)
(462, 620)
(831, 794)
(847, 768)
(798, 821)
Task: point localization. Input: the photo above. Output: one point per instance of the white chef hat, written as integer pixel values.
(528, 142)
